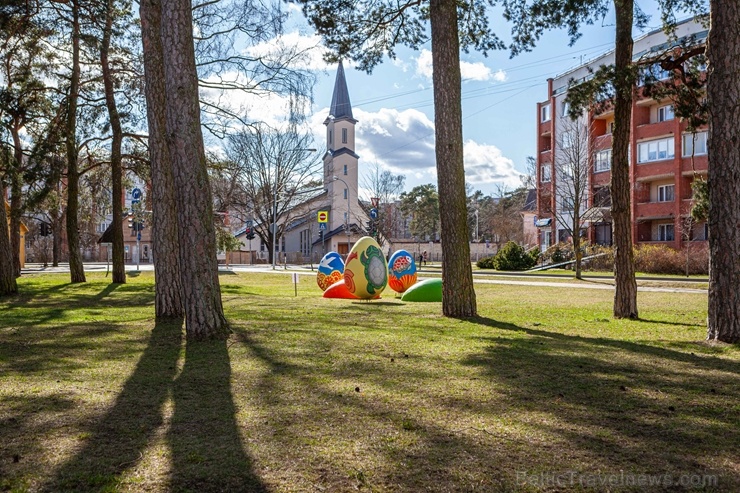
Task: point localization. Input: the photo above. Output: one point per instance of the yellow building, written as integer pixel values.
(24, 231)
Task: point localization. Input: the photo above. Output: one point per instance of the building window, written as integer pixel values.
(603, 161)
(564, 107)
(545, 113)
(694, 142)
(330, 136)
(305, 242)
(344, 136)
(545, 173)
(126, 253)
(655, 150)
(345, 170)
(665, 232)
(665, 113)
(345, 194)
(546, 240)
(610, 127)
(665, 193)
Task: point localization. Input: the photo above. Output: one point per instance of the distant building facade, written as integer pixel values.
(664, 159)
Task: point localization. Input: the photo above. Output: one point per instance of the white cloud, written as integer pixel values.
(403, 142)
(301, 52)
(485, 165)
(469, 71)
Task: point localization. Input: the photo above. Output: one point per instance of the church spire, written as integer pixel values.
(340, 105)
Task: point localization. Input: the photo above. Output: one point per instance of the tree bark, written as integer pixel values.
(204, 317)
(165, 248)
(723, 94)
(625, 293)
(8, 284)
(458, 294)
(76, 268)
(119, 269)
(16, 201)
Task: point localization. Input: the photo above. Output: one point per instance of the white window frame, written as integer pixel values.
(666, 113)
(610, 127)
(696, 142)
(656, 150)
(545, 113)
(603, 161)
(564, 107)
(667, 193)
(666, 232)
(545, 173)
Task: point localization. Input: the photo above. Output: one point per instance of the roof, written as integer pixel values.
(530, 204)
(340, 104)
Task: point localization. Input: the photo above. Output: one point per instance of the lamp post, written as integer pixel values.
(346, 224)
(275, 199)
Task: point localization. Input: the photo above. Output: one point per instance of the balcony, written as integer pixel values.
(649, 211)
(655, 170)
(603, 142)
(653, 130)
(545, 128)
(700, 165)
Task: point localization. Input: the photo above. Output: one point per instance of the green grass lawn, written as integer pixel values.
(542, 392)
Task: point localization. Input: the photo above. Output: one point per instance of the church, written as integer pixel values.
(334, 219)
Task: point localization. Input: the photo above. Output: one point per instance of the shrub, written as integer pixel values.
(662, 259)
(485, 263)
(514, 257)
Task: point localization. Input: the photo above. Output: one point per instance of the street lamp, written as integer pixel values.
(336, 178)
(274, 203)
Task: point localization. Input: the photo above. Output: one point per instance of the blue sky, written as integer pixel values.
(395, 111)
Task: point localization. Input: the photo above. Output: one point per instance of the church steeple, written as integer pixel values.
(340, 105)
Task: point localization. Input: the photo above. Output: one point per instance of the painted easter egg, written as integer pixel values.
(331, 270)
(401, 271)
(428, 290)
(365, 272)
(339, 290)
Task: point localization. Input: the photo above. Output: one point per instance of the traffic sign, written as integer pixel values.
(138, 236)
(373, 213)
(136, 194)
(322, 226)
(249, 223)
(323, 217)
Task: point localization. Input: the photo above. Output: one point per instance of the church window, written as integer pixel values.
(330, 137)
(345, 170)
(345, 193)
(344, 136)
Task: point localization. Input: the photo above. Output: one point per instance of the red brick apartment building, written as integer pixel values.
(661, 168)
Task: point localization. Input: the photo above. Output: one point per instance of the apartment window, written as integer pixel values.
(695, 144)
(344, 136)
(568, 140)
(610, 127)
(665, 193)
(545, 173)
(546, 240)
(345, 194)
(655, 150)
(567, 204)
(564, 108)
(345, 170)
(665, 232)
(665, 113)
(545, 113)
(603, 161)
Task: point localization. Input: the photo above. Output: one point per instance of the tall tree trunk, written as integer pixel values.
(8, 284)
(458, 294)
(76, 269)
(204, 317)
(723, 92)
(119, 269)
(16, 200)
(165, 247)
(625, 293)
(56, 232)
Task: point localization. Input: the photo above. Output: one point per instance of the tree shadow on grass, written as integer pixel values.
(204, 437)
(118, 439)
(633, 407)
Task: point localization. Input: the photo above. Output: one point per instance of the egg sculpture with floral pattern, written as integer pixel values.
(401, 271)
(365, 272)
(331, 270)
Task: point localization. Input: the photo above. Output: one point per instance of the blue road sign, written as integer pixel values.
(322, 226)
(373, 213)
(138, 236)
(136, 194)
(248, 223)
